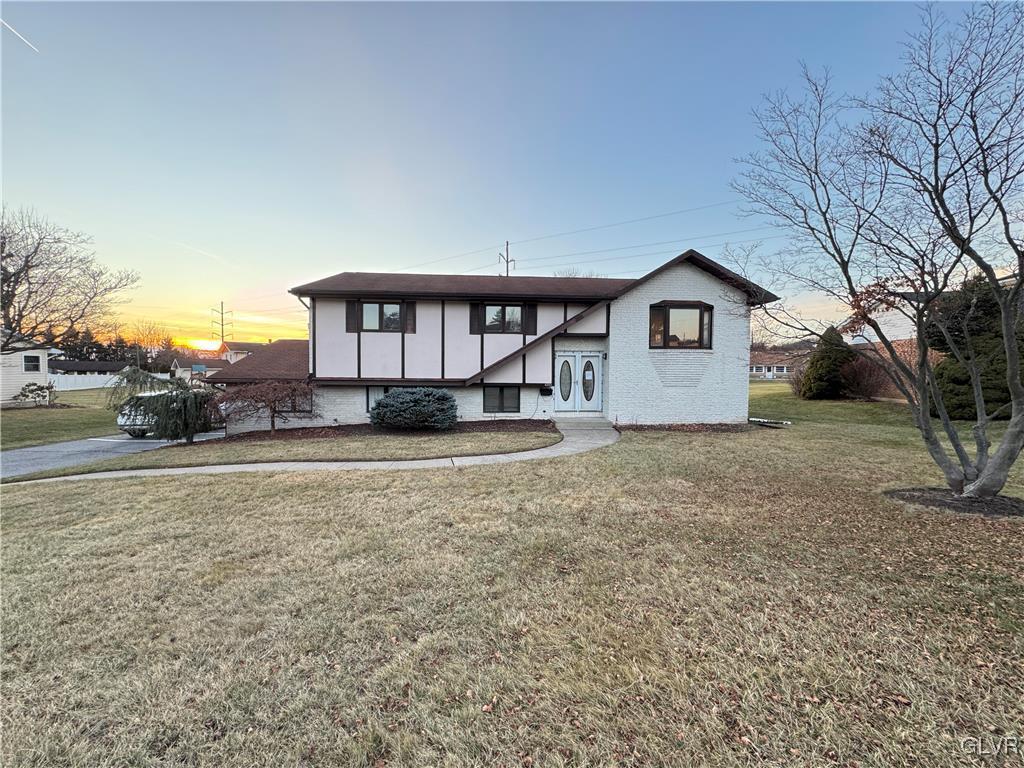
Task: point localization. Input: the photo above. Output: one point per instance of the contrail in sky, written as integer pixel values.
(26, 42)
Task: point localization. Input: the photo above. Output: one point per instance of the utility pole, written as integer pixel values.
(504, 259)
(220, 322)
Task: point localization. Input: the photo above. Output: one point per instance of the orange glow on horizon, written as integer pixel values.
(203, 345)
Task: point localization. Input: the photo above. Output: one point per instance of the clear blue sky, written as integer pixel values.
(231, 151)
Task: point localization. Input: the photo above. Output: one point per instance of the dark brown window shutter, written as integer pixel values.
(351, 316)
(530, 320)
(475, 311)
(410, 317)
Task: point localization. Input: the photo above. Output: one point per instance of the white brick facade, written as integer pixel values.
(347, 405)
(678, 386)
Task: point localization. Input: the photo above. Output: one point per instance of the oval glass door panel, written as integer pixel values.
(588, 380)
(565, 380)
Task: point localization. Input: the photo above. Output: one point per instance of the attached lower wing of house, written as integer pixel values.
(670, 347)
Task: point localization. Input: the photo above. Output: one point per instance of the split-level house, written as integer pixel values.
(672, 346)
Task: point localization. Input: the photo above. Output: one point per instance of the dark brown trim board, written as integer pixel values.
(312, 331)
(476, 377)
(442, 337)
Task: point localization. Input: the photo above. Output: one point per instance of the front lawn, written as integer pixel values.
(358, 447)
(728, 599)
(22, 427)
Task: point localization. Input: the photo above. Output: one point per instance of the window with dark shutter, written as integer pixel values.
(530, 320)
(475, 311)
(351, 316)
(410, 316)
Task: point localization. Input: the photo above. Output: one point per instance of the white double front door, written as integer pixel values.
(578, 381)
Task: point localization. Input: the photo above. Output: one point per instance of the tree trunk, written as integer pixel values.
(993, 477)
(273, 421)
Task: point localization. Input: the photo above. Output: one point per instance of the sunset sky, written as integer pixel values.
(230, 151)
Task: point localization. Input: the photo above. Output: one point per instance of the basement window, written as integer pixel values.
(501, 399)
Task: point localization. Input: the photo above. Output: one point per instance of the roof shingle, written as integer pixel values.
(284, 359)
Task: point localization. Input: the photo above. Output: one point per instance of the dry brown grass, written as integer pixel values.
(395, 446)
(675, 599)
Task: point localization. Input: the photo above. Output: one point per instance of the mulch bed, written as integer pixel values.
(943, 498)
(684, 427)
(351, 430)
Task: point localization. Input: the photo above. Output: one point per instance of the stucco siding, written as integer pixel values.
(669, 386)
(381, 355)
(335, 349)
(423, 348)
(462, 350)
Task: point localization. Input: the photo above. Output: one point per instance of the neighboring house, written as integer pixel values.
(670, 347)
(21, 367)
(281, 360)
(195, 368)
(233, 351)
(772, 364)
(86, 367)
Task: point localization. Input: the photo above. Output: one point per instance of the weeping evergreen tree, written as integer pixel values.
(177, 414)
(132, 381)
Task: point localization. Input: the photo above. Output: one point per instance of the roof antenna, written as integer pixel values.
(503, 258)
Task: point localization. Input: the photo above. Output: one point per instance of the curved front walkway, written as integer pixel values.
(580, 438)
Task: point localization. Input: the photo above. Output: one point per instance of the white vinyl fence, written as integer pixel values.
(66, 382)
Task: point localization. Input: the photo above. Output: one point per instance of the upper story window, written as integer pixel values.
(381, 316)
(503, 318)
(681, 325)
(32, 363)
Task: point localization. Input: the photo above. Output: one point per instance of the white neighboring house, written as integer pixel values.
(196, 368)
(21, 367)
(670, 347)
(233, 351)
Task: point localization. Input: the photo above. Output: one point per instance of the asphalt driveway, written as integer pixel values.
(22, 461)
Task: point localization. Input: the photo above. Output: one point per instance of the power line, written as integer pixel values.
(574, 232)
(646, 245)
(648, 253)
(628, 221)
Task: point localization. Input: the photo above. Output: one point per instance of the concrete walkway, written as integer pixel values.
(578, 437)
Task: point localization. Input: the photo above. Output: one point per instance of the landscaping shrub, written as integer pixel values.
(864, 378)
(37, 394)
(796, 377)
(823, 378)
(958, 395)
(415, 408)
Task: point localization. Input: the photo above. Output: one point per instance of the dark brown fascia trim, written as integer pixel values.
(756, 295)
(342, 382)
(252, 379)
(506, 298)
(537, 341)
(346, 381)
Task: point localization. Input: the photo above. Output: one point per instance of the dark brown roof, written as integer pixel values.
(284, 359)
(396, 284)
(243, 346)
(90, 366)
(386, 285)
(209, 362)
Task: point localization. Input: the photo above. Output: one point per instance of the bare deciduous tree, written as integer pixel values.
(278, 400)
(51, 282)
(896, 199)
